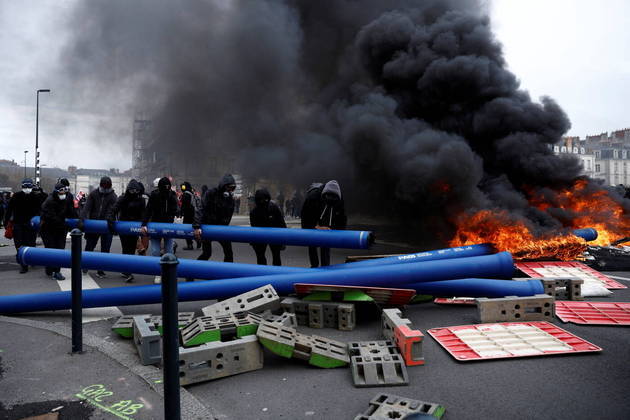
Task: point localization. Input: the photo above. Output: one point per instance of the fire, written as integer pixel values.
(582, 206)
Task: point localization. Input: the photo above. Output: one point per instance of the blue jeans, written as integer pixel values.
(156, 245)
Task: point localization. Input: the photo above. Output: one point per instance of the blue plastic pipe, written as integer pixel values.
(498, 265)
(439, 254)
(351, 239)
(479, 288)
(588, 234)
(219, 270)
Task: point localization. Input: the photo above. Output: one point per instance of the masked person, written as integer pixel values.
(129, 207)
(217, 208)
(97, 206)
(22, 207)
(266, 213)
(162, 207)
(323, 209)
(188, 200)
(58, 207)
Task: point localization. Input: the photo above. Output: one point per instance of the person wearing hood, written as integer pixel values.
(97, 206)
(58, 207)
(162, 207)
(266, 213)
(188, 200)
(323, 209)
(129, 207)
(217, 208)
(22, 207)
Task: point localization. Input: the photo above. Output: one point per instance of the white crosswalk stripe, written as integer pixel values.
(89, 314)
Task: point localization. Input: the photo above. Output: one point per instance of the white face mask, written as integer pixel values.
(62, 196)
(27, 190)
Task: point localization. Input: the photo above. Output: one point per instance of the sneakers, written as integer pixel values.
(128, 277)
(24, 269)
(58, 276)
(157, 280)
(100, 274)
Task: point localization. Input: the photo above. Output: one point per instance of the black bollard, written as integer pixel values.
(77, 292)
(170, 337)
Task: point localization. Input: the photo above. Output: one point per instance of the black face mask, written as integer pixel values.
(165, 189)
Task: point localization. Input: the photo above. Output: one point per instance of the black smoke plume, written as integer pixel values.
(407, 103)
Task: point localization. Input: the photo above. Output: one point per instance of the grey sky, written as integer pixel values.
(571, 50)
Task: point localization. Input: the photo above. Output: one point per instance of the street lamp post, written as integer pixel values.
(25, 152)
(37, 171)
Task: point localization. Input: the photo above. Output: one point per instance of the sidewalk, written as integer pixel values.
(39, 375)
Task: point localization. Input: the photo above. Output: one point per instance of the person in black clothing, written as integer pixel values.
(23, 206)
(297, 204)
(129, 207)
(266, 214)
(323, 209)
(188, 210)
(56, 209)
(97, 206)
(162, 207)
(217, 209)
(40, 195)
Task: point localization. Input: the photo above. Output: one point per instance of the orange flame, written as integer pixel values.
(584, 207)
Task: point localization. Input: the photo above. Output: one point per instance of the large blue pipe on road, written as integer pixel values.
(588, 234)
(498, 265)
(351, 239)
(479, 288)
(219, 270)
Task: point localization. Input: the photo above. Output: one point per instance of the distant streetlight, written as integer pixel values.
(25, 152)
(37, 172)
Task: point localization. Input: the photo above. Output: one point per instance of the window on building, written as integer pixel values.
(598, 154)
(588, 165)
(563, 149)
(598, 167)
(556, 149)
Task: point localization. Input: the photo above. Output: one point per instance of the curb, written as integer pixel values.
(191, 407)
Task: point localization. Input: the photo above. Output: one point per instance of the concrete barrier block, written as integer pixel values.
(563, 288)
(286, 319)
(516, 308)
(124, 325)
(407, 339)
(217, 360)
(287, 342)
(321, 314)
(388, 406)
(257, 300)
(219, 328)
(147, 340)
(377, 363)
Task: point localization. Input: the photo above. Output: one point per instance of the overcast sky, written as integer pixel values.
(572, 50)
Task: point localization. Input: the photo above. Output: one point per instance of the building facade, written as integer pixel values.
(604, 156)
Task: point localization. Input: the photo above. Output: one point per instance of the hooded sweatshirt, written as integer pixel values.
(98, 204)
(162, 206)
(129, 207)
(188, 208)
(55, 212)
(266, 213)
(312, 207)
(320, 212)
(22, 207)
(217, 205)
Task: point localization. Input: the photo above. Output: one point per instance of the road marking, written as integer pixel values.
(618, 277)
(89, 314)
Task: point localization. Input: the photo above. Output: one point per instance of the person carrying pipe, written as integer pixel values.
(323, 209)
(23, 206)
(217, 208)
(190, 201)
(266, 213)
(162, 207)
(129, 207)
(58, 207)
(97, 206)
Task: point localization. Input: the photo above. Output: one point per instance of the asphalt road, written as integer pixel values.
(583, 386)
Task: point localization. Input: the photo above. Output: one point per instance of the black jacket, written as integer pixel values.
(161, 208)
(22, 208)
(217, 208)
(316, 212)
(268, 215)
(55, 212)
(98, 205)
(188, 208)
(128, 207)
